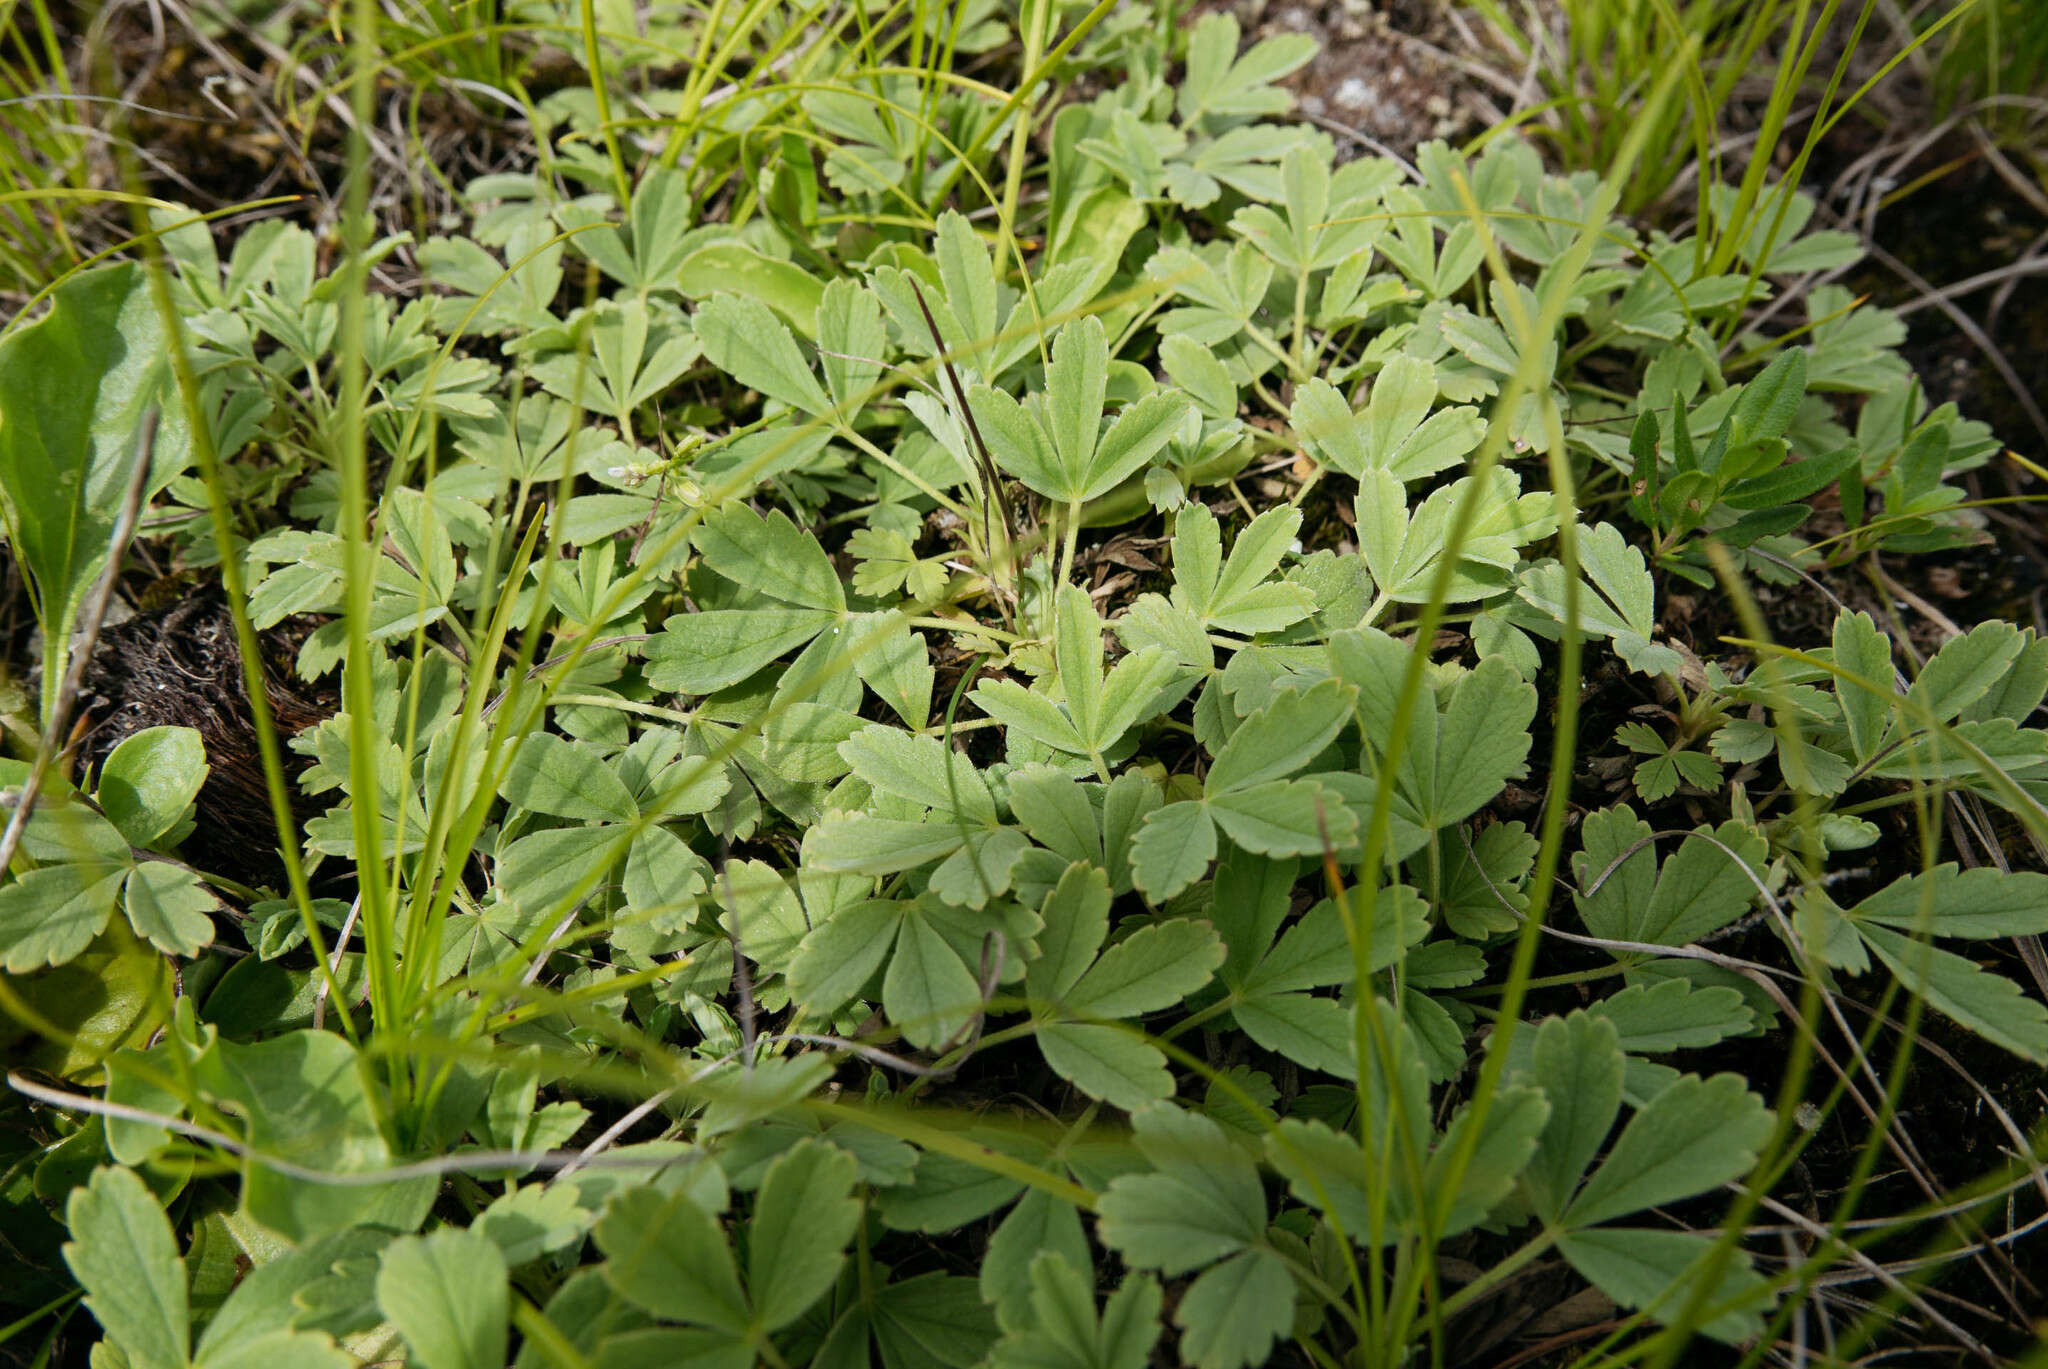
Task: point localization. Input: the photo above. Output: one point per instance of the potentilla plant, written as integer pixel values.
(1060, 771)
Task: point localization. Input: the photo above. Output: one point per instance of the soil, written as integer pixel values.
(1383, 79)
(178, 664)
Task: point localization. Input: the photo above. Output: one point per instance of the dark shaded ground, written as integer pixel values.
(176, 663)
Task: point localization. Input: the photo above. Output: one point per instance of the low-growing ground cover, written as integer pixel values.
(929, 687)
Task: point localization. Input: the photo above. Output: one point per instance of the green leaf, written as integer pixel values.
(305, 1095)
(1988, 1004)
(1231, 1315)
(1325, 1169)
(666, 1255)
(1963, 671)
(771, 555)
(921, 769)
(1506, 1143)
(1075, 383)
(1284, 818)
(1313, 1032)
(1076, 917)
(1700, 889)
(763, 915)
(1674, 1015)
(1062, 1331)
(1481, 742)
(1109, 1063)
(893, 661)
(1196, 370)
(1980, 903)
(850, 341)
(1018, 444)
(929, 992)
(74, 386)
(1278, 740)
(1653, 1270)
(747, 342)
(51, 914)
(123, 1254)
(1133, 440)
(446, 1293)
(1077, 650)
(839, 956)
(982, 868)
(1041, 1232)
(1173, 849)
(1219, 84)
(150, 780)
(1396, 432)
(803, 1218)
(1617, 600)
(1578, 1062)
(933, 1319)
(1863, 651)
(1237, 596)
(1038, 717)
(567, 780)
(785, 287)
(701, 653)
(861, 845)
(168, 906)
(1695, 1135)
(1054, 809)
(1765, 407)
(1204, 1203)
(1155, 968)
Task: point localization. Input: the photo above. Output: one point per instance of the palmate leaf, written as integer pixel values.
(1699, 889)
(447, 1296)
(1222, 86)
(1202, 1204)
(1245, 798)
(1652, 1270)
(1617, 599)
(124, 1255)
(1062, 1329)
(1396, 432)
(743, 338)
(1691, 1137)
(1453, 762)
(1099, 708)
(1988, 1004)
(1060, 451)
(1237, 595)
(1404, 551)
(1155, 968)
